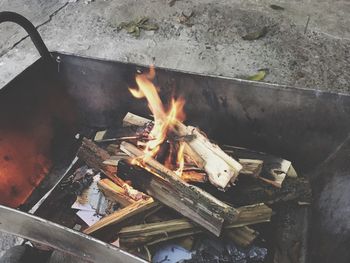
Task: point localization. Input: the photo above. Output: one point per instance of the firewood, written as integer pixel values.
(262, 212)
(252, 214)
(94, 156)
(114, 192)
(253, 191)
(242, 236)
(194, 176)
(130, 241)
(164, 185)
(219, 166)
(274, 169)
(112, 149)
(153, 233)
(251, 167)
(122, 214)
(131, 119)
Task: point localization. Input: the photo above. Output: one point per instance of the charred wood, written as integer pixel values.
(164, 185)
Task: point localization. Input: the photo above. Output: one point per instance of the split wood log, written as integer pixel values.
(219, 166)
(242, 236)
(188, 175)
(122, 214)
(251, 167)
(164, 185)
(274, 169)
(252, 214)
(252, 191)
(94, 156)
(194, 176)
(153, 233)
(114, 192)
(131, 119)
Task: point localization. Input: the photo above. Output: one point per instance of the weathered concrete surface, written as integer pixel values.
(214, 45)
(317, 59)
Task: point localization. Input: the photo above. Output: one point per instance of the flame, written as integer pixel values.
(165, 120)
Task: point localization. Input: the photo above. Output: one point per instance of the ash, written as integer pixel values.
(215, 250)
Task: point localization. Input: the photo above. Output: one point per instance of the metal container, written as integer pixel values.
(62, 94)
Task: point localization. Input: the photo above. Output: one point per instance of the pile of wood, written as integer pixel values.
(223, 190)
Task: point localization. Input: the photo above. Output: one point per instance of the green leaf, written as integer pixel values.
(256, 34)
(259, 76)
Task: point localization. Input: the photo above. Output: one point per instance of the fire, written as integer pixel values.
(165, 121)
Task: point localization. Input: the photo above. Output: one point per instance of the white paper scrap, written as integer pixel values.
(89, 217)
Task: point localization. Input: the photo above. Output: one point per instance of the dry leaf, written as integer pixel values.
(134, 27)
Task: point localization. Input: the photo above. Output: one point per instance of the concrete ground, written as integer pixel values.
(306, 45)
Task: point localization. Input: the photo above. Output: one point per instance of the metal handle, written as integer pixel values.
(29, 27)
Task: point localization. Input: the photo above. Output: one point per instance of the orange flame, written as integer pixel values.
(165, 120)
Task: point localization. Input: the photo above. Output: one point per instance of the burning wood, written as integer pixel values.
(167, 187)
(220, 167)
(95, 157)
(274, 169)
(162, 164)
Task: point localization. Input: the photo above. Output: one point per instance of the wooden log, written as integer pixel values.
(153, 233)
(122, 214)
(114, 192)
(250, 215)
(131, 119)
(251, 167)
(219, 166)
(95, 157)
(164, 185)
(252, 191)
(242, 236)
(274, 169)
(194, 176)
